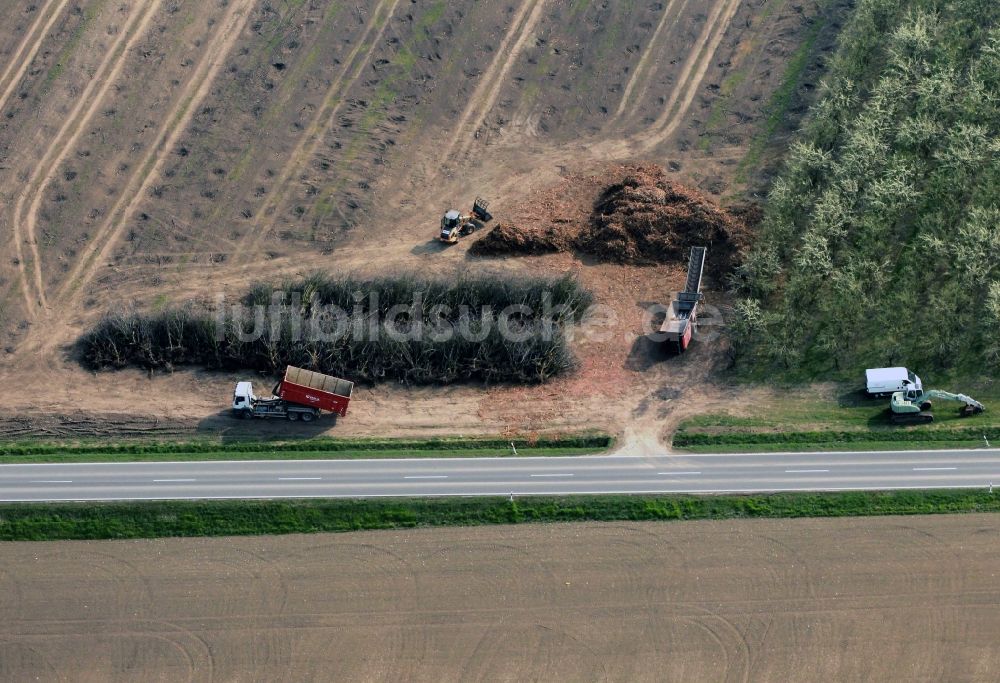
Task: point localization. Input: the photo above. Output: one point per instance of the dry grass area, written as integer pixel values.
(160, 151)
(886, 599)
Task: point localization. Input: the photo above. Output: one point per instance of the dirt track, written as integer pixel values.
(860, 599)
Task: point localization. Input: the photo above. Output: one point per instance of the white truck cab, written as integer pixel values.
(243, 397)
(886, 381)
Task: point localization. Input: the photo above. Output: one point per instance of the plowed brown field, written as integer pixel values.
(154, 151)
(884, 599)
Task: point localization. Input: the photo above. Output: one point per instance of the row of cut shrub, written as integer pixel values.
(471, 329)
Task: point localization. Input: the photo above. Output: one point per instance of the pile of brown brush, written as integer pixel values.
(507, 238)
(647, 218)
(641, 218)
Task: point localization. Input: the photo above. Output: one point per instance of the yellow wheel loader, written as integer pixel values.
(455, 224)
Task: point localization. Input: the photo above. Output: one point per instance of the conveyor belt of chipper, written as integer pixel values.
(696, 264)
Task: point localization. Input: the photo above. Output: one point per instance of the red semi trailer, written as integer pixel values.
(300, 395)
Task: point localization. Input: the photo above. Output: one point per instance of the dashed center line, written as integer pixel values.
(931, 469)
(803, 471)
(52, 481)
(170, 481)
(299, 478)
(427, 476)
(553, 475)
(673, 473)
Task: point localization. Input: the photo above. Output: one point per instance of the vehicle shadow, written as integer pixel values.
(645, 353)
(882, 419)
(431, 246)
(855, 398)
(648, 350)
(231, 429)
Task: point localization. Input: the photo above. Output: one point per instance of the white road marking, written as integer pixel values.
(552, 475)
(164, 481)
(803, 471)
(672, 473)
(427, 476)
(53, 481)
(929, 469)
(299, 478)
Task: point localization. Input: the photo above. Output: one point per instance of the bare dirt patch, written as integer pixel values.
(90, 425)
(854, 599)
(260, 140)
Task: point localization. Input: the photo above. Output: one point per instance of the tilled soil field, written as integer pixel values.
(886, 599)
(156, 152)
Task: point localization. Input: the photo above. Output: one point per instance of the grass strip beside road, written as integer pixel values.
(66, 521)
(832, 446)
(306, 449)
(838, 418)
(740, 441)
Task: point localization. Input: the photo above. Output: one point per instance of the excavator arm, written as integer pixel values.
(970, 402)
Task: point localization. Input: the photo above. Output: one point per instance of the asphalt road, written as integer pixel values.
(702, 473)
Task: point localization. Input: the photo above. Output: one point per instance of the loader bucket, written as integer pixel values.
(480, 210)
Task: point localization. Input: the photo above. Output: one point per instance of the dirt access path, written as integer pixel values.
(180, 150)
(886, 599)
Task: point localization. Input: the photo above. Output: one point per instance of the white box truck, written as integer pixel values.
(886, 381)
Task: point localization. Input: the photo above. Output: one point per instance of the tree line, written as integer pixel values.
(881, 238)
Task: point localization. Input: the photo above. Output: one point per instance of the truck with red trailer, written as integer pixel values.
(300, 395)
(682, 318)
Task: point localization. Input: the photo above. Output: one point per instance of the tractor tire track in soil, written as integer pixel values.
(325, 117)
(641, 72)
(9, 81)
(107, 73)
(575, 601)
(168, 135)
(34, 38)
(490, 84)
(691, 76)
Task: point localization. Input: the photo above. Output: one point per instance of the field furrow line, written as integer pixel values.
(175, 123)
(491, 82)
(692, 75)
(107, 73)
(32, 42)
(9, 81)
(644, 61)
(325, 117)
(690, 64)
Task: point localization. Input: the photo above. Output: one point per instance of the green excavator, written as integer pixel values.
(914, 407)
